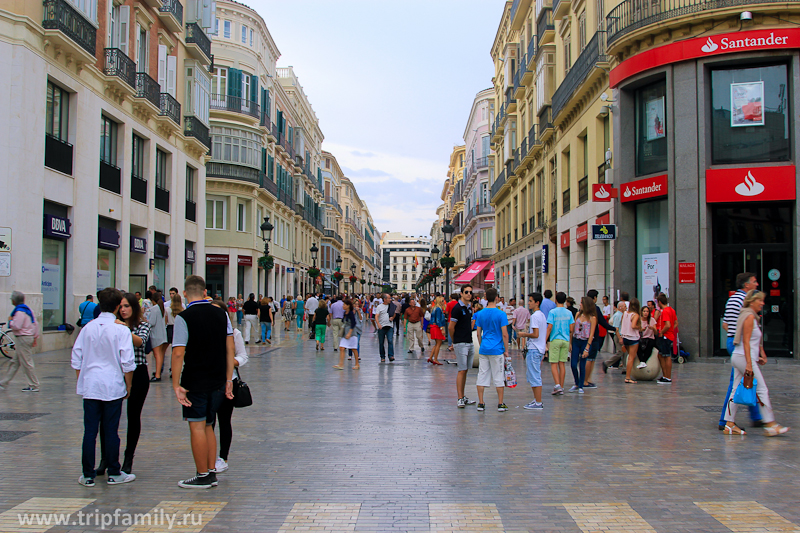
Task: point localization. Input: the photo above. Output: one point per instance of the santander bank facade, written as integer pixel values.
(705, 147)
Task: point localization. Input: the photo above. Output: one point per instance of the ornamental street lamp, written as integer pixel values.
(448, 231)
(363, 271)
(266, 236)
(314, 250)
(339, 270)
(435, 255)
(353, 283)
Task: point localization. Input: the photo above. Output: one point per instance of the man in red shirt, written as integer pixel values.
(449, 309)
(667, 326)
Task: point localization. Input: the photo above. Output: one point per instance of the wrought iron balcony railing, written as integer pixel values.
(566, 204)
(236, 104)
(120, 65)
(593, 54)
(60, 15)
(498, 183)
(545, 23)
(196, 35)
(194, 128)
(110, 177)
(148, 88)
(173, 7)
(583, 190)
(170, 107)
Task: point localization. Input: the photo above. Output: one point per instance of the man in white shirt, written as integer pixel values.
(536, 346)
(385, 314)
(104, 362)
(312, 303)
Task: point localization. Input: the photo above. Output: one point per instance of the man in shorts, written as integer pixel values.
(460, 328)
(536, 346)
(560, 325)
(493, 338)
(666, 325)
(202, 345)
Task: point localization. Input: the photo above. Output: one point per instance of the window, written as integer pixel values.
(215, 213)
(240, 217)
(108, 141)
(219, 81)
(198, 91)
(236, 146)
(87, 7)
(57, 113)
(216, 26)
(567, 53)
(161, 170)
(244, 34)
(652, 237)
(137, 163)
(259, 219)
(141, 49)
(246, 88)
(190, 178)
(651, 129)
(54, 270)
(327, 162)
(750, 115)
(227, 29)
(582, 31)
(252, 33)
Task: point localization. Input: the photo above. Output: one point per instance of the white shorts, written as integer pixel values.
(491, 370)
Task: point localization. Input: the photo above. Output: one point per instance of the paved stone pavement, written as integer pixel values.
(384, 448)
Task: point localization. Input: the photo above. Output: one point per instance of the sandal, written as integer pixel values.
(337, 367)
(774, 431)
(356, 367)
(629, 380)
(733, 430)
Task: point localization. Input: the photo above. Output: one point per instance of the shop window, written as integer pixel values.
(651, 129)
(750, 115)
(652, 245)
(54, 273)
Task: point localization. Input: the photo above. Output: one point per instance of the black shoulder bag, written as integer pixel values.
(241, 392)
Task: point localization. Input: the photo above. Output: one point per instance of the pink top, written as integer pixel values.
(649, 333)
(22, 325)
(521, 318)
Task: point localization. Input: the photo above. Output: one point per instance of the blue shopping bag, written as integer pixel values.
(745, 396)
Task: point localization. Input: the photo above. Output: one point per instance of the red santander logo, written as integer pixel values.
(753, 184)
(643, 189)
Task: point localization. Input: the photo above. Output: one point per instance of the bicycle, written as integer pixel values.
(6, 342)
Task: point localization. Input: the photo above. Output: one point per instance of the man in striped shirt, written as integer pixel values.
(745, 282)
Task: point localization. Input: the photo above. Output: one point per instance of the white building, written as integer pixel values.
(403, 259)
(82, 211)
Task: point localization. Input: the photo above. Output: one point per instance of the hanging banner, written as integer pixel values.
(545, 261)
(654, 276)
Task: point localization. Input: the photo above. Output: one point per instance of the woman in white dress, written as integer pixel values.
(351, 328)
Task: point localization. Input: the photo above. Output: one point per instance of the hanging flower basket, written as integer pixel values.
(353, 279)
(313, 272)
(363, 281)
(338, 276)
(447, 262)
(435, 272)
(266, 262)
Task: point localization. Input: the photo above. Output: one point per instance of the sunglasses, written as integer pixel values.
(467, 292)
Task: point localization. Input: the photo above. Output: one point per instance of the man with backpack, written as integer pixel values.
(86, 311)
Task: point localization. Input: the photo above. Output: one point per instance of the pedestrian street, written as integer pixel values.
(384, 448)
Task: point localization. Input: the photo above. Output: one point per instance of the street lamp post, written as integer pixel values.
(435, 255)
(447, 231)
(266, 236)
(339, 270)
(363, 273)
(352, 283)
(314, 250)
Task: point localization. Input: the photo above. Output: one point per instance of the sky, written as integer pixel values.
(392, 84)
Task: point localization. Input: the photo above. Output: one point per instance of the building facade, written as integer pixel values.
(403, 259)
(708, 182)
(120, 208)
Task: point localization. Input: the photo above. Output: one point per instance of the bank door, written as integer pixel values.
(772, 265)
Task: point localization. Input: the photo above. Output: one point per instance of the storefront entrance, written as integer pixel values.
(215, 281)
(756, 239)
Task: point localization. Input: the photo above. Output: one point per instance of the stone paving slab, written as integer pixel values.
(389, 439)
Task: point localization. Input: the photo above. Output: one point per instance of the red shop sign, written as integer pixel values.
(565, 239)
(644, 189)
(687, 272)
(244, 260)
(603, 219)
(724, 43)
(582, 232)
(217, 259)
(602, 192)
(753, 184)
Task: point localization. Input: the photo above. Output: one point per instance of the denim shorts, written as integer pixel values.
(533, 367)
(630, 342)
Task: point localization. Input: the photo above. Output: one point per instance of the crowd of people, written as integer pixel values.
(209, 337)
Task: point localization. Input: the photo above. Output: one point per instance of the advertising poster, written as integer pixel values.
(654, 277)
(103, 279)
(655, 119)
(51, 286)
(746, 104)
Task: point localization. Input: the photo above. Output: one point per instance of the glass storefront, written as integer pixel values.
(159, 273)
(750, 115)
(54, 282)
(106, 268)
(651, 129)
(652, 249)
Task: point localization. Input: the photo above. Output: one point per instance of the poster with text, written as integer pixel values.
(654, 276)
(655, 119)
(51, 286)
(103, 279)
(747, 104)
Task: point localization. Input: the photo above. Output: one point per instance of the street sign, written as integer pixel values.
(604, 232)
(687, 272)
(290, 269)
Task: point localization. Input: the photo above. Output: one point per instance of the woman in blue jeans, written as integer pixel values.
(265, 317)
(585, 329)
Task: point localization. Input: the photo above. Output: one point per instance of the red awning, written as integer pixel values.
(490, 275)
(473, 270)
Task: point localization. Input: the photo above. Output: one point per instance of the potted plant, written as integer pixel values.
(313, 272)
(447, 262)
(338, 276)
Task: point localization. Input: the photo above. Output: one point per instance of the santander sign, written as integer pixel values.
(725, 43)
(752, 184)
(644, 189)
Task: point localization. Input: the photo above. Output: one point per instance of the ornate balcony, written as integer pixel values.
(196, 129)
(545, 30)
(197, 43)
(148, 92)
(498, 184)
(561, 8)
(120, 71)
(231, 171)
(170, 108)
(171, 15)
(330, 234)
(67, 29)
(592, 56)
(235, 104)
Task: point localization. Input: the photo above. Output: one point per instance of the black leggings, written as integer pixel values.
(224, 416)
(645, 349)
(140, 385)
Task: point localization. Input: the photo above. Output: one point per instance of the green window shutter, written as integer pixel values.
(264, 160)
(254, 88)
(271, 168)
(269, 102)
(289, 135)
(234, 82)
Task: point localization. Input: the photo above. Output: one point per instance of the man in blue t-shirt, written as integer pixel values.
(547, 304)
(86, 310)
(493, 338)
(560, 326)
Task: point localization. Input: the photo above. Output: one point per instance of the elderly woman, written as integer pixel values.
(748, 350)
(26, 332)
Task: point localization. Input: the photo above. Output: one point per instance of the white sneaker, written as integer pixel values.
(220, 465)
(461, 404)
(574, 388)
(557, 389)
(641, 365)
(121, 478)
(533, 405)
